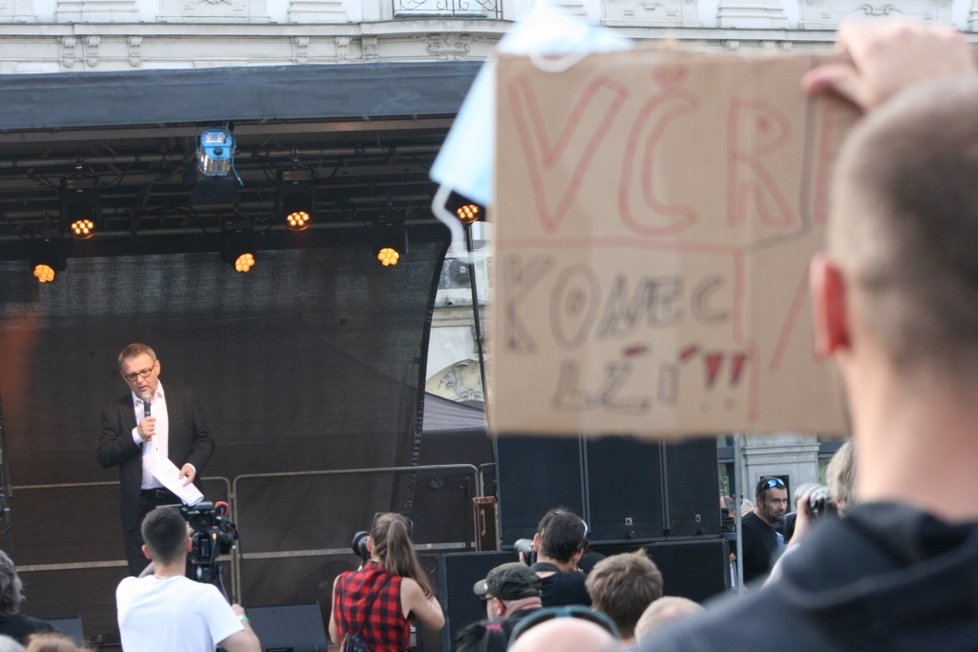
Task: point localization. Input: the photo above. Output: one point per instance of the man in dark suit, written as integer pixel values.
(137, 429)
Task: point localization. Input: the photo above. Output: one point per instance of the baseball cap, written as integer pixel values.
(510, 581)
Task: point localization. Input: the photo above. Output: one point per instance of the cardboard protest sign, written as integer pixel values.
(655, 215)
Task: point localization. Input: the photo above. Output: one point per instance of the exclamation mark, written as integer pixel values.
(713, 363)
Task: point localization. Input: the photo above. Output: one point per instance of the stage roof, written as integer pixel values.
(369, 131)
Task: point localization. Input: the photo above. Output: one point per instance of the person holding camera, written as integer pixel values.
(372, 605)
(560, 541)
(141, 426)
(164, 611)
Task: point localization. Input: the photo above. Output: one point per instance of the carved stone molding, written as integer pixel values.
(69, 57)
(300, 49)
(97, 11)
(134, 44)
(448, 46)
(826, 14)
(318, 11)
(225, 11)
(342, 47)
(752, 14)
(369, 47)
(91, 50)
(652, 13)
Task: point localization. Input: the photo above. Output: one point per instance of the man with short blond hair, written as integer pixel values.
(622, 586)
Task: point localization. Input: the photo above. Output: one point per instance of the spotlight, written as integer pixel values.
(465, 210)
(391, 245)
(47, 259)
(80, 205)
(215, 152)
(296, 197)
(213, 179)
(238, 250)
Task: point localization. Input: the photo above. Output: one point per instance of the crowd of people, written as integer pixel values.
(893, 308)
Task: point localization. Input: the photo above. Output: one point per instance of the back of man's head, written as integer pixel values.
(904, 227)
(664, 610)
(566, 634)
(10, 586)
(165, 533)
(562, 534)
(622, 586)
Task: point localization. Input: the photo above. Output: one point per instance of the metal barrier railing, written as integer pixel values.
(470, 470)
(236, 557)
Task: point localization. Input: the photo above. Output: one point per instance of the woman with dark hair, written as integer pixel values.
(13, 623)
(375, 601)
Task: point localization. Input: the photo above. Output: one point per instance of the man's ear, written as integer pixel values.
(146, 553)
(831, 321)
(537, 539)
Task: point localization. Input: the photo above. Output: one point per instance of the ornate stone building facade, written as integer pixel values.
(80, 35)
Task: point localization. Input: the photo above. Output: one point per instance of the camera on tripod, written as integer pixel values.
(214, 534)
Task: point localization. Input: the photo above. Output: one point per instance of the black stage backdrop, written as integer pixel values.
(313, 361)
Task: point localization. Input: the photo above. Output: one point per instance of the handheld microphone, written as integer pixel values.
(146, 404)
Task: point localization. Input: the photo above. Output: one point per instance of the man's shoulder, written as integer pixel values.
(174, 392)
(753, 523)
(119, 402)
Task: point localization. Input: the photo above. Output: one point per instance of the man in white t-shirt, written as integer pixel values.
(164, 611)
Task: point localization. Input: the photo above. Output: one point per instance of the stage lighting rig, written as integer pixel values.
(295, 198)
(238, 247)
(213, 177)
(80, 205)
(391, 245)
(47, 258)
(215, 152)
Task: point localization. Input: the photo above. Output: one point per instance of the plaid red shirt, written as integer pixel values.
(386, 629)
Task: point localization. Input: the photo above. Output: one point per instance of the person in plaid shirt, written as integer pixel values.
(377, 599)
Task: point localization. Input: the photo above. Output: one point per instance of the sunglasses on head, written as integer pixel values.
(568, 611)
(771, 483)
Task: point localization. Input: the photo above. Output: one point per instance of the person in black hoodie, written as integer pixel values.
(895, 305)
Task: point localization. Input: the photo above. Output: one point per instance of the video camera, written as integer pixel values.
(214, 534)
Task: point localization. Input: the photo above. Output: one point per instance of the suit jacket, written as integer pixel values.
(190, 440)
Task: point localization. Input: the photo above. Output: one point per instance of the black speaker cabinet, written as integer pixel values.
(533, 475)
(289, 628)
(694, 568)
(692, 486)
(625, 498)
(626, 489)
(457, 572)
